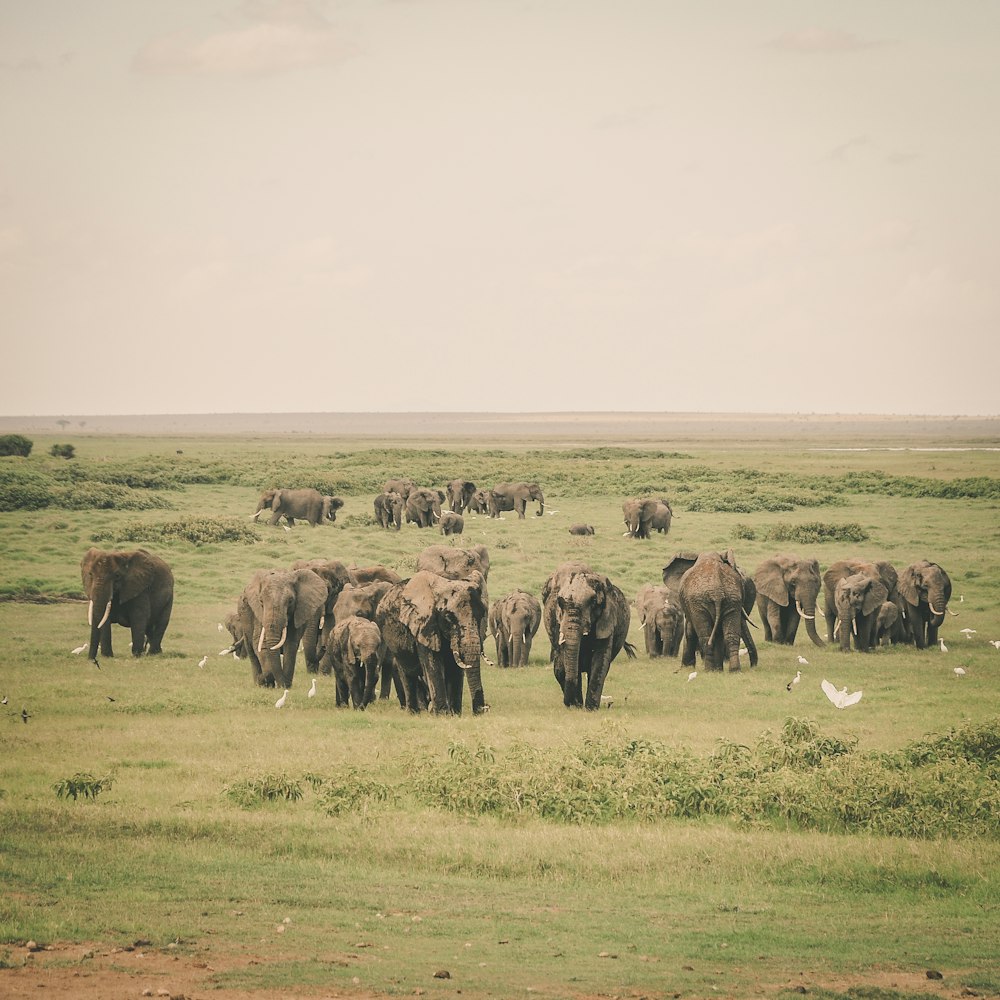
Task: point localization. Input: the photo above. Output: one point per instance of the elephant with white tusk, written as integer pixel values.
(389, 510)
(643, 516)
(514, 620)
(460, 493)
(306, 505)
(787, 591)
(855, 606)
(925, 589)
(423, 507)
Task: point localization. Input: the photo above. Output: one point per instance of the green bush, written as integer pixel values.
(62, 451)
(83, 784)
(15, 444)
(23, 488)
(197, 530)
(815, 531)
(91, 494)
(251, 793)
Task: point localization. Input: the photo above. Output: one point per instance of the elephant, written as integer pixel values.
(460, 493)
(885, 622)
(336, 576)
(716, 597)
(587, 619)
(423, 506)
(480, 502)
(231, 623)
(661, 619)
(886, 574)
(514, 620)
(787, 589)
(278, 609)
(359, 601)
(360, 575)
(581, 529)
(925, 589)
(389, 510)
(131, 588)
(645, 515)
(452, 523)
(353, 652)
(306, 505)
(679, 564)
(433, 628)
(455, 563)
(858, 599)
(400, 486)
(515, 496)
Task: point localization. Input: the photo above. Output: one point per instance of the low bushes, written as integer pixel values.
(808, 533)
(197, 530)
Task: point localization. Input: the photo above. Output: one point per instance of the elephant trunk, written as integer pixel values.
(847, 626)
(371, 667)
(569, 646)
(473, 677)
(100, 602)
(937, 604)
(518, 639)
(809, 616)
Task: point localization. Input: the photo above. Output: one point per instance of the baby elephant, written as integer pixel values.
(354, 652)
(452, 523)
(581, 529)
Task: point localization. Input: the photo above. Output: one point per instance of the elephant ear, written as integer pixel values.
(677, 567)
(139, 570)
(649, 508)
(417, 610)
(909, 585)
(874, 596)
(87, 568)
(251, 594)
(771, 583)
(604, 624)
(276, 500)
(310, 596)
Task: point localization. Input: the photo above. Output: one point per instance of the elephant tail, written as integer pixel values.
(715, 624)
(629, 650)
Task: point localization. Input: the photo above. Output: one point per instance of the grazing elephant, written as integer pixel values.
(587, 619)
(452, 523)
(460, 493)
(514, 620)
(925, 589)
(400, 486)
(787, 590)
(306, 505)
(886, 574)
(360, 575)
(279, 609)
(353, 653)
(716, 597)
(661, 619)
(389, 510)
(581, 529)
(134, 589)
(423, 506)
(454, 563)
(515, 496)
(480, 502)
(885, 622)
(646, 515)
(336, 576)
(433, 628)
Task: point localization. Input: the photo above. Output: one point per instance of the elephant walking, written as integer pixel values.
(661, 619)
(460, 493)
(587, 619)
(423, 507)
(335, 575)
(454, 563)
(134, 589)
(925, 589)
(787, 591)
(306, 505)
(389, 510)
(854, 590)
(514, 620)
(452, 523)
(515, 496)
(353, 653)
(643, 516)
(716, 597)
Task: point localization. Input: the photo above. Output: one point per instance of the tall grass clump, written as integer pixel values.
(197, 530)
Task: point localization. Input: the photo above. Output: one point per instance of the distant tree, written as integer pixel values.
(64, 423)
(83, 423)
(62, 451)
(15, 444)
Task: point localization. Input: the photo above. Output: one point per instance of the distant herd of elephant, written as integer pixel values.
(424, 636)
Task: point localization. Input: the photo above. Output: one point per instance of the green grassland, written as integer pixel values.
(720, 836)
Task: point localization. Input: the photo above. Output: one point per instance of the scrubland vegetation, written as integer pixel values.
(714, 836)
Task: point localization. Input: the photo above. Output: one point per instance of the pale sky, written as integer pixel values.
(302, 205)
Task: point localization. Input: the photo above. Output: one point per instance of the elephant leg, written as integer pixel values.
(105, 634)
(158, 628)
(600, 664)
(690, 645)
(771, 621)
(747, 637)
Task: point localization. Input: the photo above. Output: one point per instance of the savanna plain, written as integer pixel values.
(164, 828)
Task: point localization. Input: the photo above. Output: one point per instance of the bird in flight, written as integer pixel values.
(840, 699)
(968, 632)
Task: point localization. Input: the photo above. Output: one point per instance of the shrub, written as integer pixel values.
(15, 444)
(62, 451)
(816, 531)
(91, 494)
(250, 793)
(197, 530)
(24, 488)
(83, 784)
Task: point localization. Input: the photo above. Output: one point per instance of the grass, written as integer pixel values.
(691, 840)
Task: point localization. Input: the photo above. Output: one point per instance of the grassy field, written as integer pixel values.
(690, 841)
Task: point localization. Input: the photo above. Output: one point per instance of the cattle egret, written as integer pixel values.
(202, 662)
(995, 643)
(285, 526)
(944, 648)
(226, 651)
(840, 699)
(4, 702)
(692, 675)
(280, 703)
(968, 632)
(961, 598)
(960, 671)
(312, 690)
(795, 680)
(803, 661)
(220, 626)
(79, 649)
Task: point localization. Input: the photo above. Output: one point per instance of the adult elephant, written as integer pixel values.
(353, 653)
(661, 620)
(716, 597)
(389, 510)
(305, 505)
(460, 493)
(335, 575)
(925, 589)
(433, 628)
(858, 597)
(787, 591)
(401, 486)
(360, 575)
(423, 506)
(587, 618)
(131, 588)
(455, 563)
(452, 523)
(646, 515)
(516, 496)
(514, 620)
(679, 564)
(887, 576)
(278, 610)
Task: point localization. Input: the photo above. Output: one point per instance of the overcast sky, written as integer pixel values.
(282, 205)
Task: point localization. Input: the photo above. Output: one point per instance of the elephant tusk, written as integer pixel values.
(954, 614)
(562, 638)
(322, 622)
(934, 611)
(854, 625)
(836, 627)
(464, 666)
(90, 613)
(281, 641)
(749, 620)
(802, 614)
(107, 615)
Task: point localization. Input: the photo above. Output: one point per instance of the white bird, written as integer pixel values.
(960, 671)
(4, 702)
(202, 662)
(226, 651)
(692, 675)
(795, 680)
(280, 703)
(995, 643)
(220, 627)
(841, 699)
(312, 690)
(285, 526)
(79, 649)
(944, 648)
(968, 632)
(803, 661)
(961, 598)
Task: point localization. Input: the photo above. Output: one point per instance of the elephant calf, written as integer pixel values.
(514, 620)
(452, 523)
(353, 652)
(661, 620)
(581, 529)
